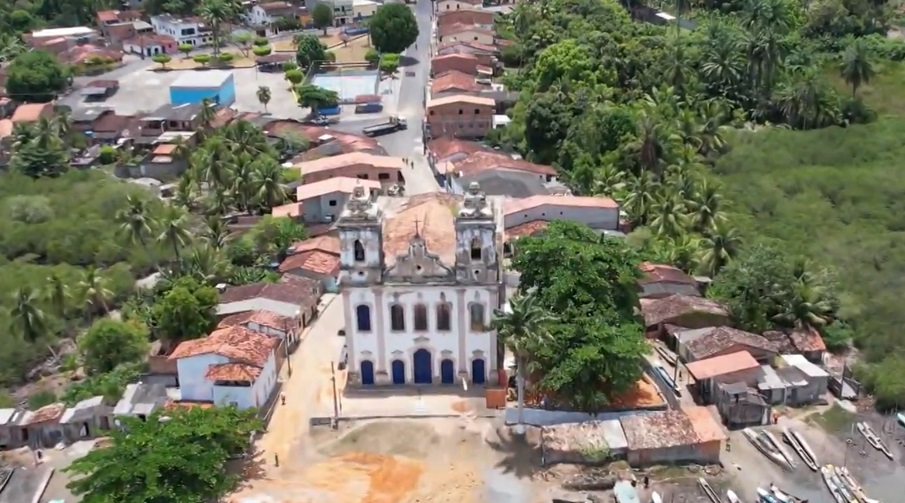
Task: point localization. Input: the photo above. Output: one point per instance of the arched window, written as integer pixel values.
(420, 317)
(476, 313)
(476, 251)
(443, 317)
(397, 318)
(363, 316)
(359, 251)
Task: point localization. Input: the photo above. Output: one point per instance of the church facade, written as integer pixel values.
(420, 279)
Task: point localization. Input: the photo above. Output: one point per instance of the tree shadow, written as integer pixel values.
(521, 454)
(405, 61)
(249, 468)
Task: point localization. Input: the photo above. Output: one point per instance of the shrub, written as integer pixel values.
(202, 59)
(290, 65)
(107, 155)
(295, 76)
(372, 57)
(261, 50)
(226, 58)
(261, 42)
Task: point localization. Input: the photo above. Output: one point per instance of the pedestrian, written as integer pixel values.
(728, 445)
(283, 398)
(646, 482)
(413, 164)
(276, 460)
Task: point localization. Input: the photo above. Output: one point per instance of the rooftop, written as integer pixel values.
(575, 436)
(314, 261)
(186, 112)
(455, 80)
(233, 372)
(807, 341)
(461, 44)
(447, 29)
(75, 31)
(326, 243)
(276, 7)
(342, 184)
(205, 79)
(291, 210)
(654, 273)
(671, 428)
(718, 339)
(808, 368)
(432, 215)
(473, 16)
(82, 411)
(721, 365)
(31, 112)
(482, 161)
(350, 159)
(46, 414)
(520, 205)
(235, 343)
(444, 146)
(141, 398)
(660, 310)
(295, 292)
(268, 319)
(526, 229)
(461, 98)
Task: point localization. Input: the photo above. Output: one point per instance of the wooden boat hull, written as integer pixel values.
(732, 497)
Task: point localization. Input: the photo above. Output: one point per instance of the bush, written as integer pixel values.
(295, 76)
(289, 65)
(372, 57)
(261, 42)
(226, 58)
(186, 48)
(261, 50)
(107, 155)
(201, 59)
(41, 398)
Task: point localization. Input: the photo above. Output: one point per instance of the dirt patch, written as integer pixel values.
(353, 52)
(462, 407)
(399, 438)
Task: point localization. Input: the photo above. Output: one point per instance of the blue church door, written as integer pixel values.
(367, 372)
(447, 372)
(478, 375)
(398, 372)
(423, 367)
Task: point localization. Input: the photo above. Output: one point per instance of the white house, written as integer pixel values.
(459, 32)
(189, 30)
(232, 366)
(363, 9)
(265, 16)
(343, 10)
(449, 5)
(420, 278)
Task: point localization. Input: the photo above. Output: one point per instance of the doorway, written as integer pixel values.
(367, 373)
(398, 372)
(423, 367)
(447, 372)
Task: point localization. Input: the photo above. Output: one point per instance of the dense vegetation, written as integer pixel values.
(680, 126)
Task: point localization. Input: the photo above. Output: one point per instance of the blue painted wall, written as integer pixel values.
(225, 95)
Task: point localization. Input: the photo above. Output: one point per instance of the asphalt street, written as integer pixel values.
(409, 143)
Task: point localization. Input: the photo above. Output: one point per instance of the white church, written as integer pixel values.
(420, 279)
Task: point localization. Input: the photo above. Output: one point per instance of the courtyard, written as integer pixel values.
(348, 82)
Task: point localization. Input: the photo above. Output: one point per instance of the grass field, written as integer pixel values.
(885, 93)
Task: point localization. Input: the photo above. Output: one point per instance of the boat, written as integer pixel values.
(778, 447)
(764, 496)
(806, 448)
(655, 497)
(792, 439)
(873, 439)
(851, 484)
(732, 497)
(709, 491)
(766, 448)
(785, 497)
(828, 475)
(901, 418)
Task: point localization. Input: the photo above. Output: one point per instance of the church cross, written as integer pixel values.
(417, 227)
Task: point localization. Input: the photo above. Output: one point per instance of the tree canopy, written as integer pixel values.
(309, 50)
(35, 76)
(176, 456)
(393, 28)
(589, 284)
(109, 343)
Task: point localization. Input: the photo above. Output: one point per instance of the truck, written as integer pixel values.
(393, 125)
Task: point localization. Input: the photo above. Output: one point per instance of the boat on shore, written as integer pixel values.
(777, 445)
(765, 496)
(845, 476)
(873, 439)
(732, 497)
(828, 476)
(655, 497)
(800, 447)
(901, 418)
(766, 447)
(714, 497)
(785, 497)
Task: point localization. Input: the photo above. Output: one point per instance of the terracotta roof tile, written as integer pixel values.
(671, 428)
(483, 161)
(722, 338)
(342, 184)
(350, 159)
(444, 147)
(660, 310)
(446, 30)
(268, 319)
(807, 341)
(314, 261)
(232, 372)
(455, 80)
(47, 414)
(235, 343)
(720, 365)
(327, 243)
(291, 210)
(106, 16)
(526, 229)
(292, 293)
(433, 213)
(654, 273)
(469, 45)
(6, 128)
(465, 16)
(459, 99)
(31, 112)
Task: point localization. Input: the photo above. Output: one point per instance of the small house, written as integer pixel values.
(741, 405)
(806, 382)
(734, 367)
(89, 418)
(42, 427)
(684, 311)
(686, 435)
(140, 400)
(708, 342)
(12, 435)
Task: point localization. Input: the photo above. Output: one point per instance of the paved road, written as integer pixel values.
(409, 144)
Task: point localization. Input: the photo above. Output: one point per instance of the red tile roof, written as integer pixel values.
(721, 365)
(292, 293)
(455, 80)
(454, 28)
(264, 318)
(235, 343)
(327, 243)
(526, 229)
(807, 341)
(47, 414)
(657, 273)
(315, 261)
(513, 206)
(31, 112)
(106, 16)
(659, 310)
(232, 372)
(483, 161)
(718, 339)
(444, 147)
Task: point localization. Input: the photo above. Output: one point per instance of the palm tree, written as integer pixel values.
(208, 112)
(264, 96)
(608, 180)
(706, 206)
(521, 328)
(669, 218)
(216, 12)
(268, 178)
(243, 188)
(135, 220)
(174, 230)
(640, 199)
(856, 67)
(57, 293)
(94, 290)
(808, 308)
(653, 142)
(718, 248)
(217, 232)
(27, 318)
(808, 102)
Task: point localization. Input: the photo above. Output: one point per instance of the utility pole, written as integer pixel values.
(335, 397)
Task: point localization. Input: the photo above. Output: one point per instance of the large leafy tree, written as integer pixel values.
(589, 282)
(322, 15)
(178, 460)
(309, 50)
(187, 311)
(393, 28)
(35, 76)
(315, 98)
(109, 343)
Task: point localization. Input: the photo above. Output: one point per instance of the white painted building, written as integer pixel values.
(190, 30)
(450, 5)
(232, 366)
(420, 279)
(363, 9)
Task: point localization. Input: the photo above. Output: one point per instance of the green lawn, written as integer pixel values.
(886, 91)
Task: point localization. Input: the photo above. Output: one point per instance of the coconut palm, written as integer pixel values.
(173, 230)
(640, 199)
(94, 291)
(135, 221)
(856, 67)
(718, 247)
(522, 327)
(27, 319)
(215, 12)
(216, 233)
(264, 96)
(56, 292)
(208, 112)
(706, 206)
(608, 180)
(243, 188)
(268, 178)
(808, 308)
(669, 217)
